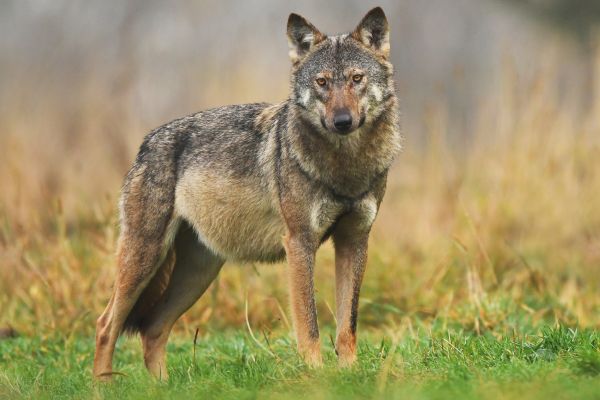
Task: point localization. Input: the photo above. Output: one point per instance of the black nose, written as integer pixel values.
(342, 121)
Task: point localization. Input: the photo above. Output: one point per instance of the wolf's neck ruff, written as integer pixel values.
(341, 197)
(346, 166)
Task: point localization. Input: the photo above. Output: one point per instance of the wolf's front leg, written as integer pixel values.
(350, 261)
(301, 258)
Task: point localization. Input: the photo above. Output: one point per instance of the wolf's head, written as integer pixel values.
(341, 83)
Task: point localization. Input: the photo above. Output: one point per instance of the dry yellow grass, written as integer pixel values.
(501, 232)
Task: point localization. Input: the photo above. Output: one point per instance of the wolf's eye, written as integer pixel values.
(321, 81)
(357, 78)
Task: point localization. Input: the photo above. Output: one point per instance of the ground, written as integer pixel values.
(558, 363)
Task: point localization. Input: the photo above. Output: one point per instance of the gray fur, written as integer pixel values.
(244, 176)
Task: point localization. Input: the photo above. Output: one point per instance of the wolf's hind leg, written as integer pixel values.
(137, 263)
(147, 230)
(195, 269)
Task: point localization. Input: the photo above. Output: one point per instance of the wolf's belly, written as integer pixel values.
(232, 216)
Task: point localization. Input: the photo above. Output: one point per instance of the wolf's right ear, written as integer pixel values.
(302, 37)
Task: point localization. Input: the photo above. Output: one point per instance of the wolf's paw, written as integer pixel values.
(313, 360)
(106, 377)
(346, 360)
(312, 355)
(345, 349)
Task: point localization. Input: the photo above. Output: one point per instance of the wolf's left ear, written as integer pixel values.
(373, 31)
(302, 37)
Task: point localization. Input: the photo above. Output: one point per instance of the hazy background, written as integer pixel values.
(163, 59)
(77, 74)
(496, 193)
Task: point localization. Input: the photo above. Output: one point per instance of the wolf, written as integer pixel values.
(260, 183)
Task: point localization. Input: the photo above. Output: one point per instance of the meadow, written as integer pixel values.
(483, 276)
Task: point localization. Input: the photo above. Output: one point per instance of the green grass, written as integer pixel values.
(546, 363)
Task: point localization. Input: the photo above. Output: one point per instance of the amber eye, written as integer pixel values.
(357, 78)
(321, 81)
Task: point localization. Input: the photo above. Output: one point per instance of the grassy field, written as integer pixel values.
(483, 277)
(557, 363)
